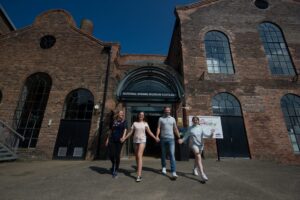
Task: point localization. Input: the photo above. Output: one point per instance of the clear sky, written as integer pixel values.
(140, 26)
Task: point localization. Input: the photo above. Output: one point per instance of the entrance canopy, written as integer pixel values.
(150, 84)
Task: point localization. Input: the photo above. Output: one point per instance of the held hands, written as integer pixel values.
(180, 141)
(122, 139)
(157, 139)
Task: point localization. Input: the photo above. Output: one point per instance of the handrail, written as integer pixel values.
(12, 130)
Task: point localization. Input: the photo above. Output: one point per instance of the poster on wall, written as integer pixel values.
(208, 123)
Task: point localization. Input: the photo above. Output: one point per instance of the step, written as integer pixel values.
(6, 154)
(8, 158)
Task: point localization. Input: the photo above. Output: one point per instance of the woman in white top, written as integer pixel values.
(139, 128)
(195, 135)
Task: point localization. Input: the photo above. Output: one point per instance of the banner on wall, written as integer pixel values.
(208, 123)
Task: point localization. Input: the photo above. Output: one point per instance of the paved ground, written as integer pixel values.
(71, 180)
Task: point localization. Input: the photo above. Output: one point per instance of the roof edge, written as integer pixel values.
(195, 5)
(7, 18)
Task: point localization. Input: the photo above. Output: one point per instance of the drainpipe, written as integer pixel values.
(101, 127)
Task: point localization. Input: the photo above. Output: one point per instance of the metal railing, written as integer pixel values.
(9, 137)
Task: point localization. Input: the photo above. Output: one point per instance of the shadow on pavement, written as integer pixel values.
(102, 170)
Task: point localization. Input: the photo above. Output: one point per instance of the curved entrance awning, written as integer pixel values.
(150, 84)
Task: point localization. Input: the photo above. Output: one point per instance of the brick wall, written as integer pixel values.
(76, 60)
(258, 91)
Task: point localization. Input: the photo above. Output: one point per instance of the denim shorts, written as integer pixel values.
(197, 148)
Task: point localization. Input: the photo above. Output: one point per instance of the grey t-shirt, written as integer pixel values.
(167, 125)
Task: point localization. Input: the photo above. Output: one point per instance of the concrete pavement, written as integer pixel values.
(71, 180)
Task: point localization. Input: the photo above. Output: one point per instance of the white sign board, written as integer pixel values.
(208, 123)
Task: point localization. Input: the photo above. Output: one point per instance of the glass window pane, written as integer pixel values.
(226, 104)
(79, 105)
(217, 47)
(275, 45)
(291, 111)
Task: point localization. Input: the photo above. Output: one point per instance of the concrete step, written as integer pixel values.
(6, 154)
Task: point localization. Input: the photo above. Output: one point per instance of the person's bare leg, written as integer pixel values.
(200, 166)
(139, 158)
(199, 162)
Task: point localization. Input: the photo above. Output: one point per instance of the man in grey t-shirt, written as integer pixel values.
(166, 129)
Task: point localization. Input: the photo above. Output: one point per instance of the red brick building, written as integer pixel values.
(236, 59)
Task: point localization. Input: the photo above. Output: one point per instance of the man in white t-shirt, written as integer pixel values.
(167, 129)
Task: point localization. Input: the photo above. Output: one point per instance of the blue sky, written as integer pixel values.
(140, 26)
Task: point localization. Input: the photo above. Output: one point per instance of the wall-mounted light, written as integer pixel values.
(96, 109)
(49, 122)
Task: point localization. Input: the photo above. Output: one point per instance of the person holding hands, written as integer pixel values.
(139, 128)
(195, 135)
(113, 141)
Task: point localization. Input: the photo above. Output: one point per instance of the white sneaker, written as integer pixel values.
(164, 171)
(195, 172)
(204, 177)
(174, 176)
(138, 179)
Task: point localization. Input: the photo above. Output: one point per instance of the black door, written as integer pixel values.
(72, 139)
(152, 147)
(234, 143)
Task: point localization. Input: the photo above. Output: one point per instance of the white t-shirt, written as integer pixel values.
(139, 129)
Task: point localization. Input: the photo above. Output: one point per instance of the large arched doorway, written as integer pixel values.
(29, 113)
(149, 89)
(73, 134)
(235, 142)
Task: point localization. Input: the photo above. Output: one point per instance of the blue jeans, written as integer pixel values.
(164, 142)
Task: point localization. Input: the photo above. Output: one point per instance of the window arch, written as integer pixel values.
(29, 113)
(225, 104)
(290, 105)
(279, 58)
(218, 54)
(79, 105)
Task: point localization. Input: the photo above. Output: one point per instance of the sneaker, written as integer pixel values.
(138, 179)
(195, 172)
(174, 176)
(164, 171)
(115, 174)
(204, 177)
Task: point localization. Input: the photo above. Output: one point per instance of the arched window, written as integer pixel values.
(31, 107)
(290, 105)
(276, 49)
(225, 104)
(218, 55)
(79, 105)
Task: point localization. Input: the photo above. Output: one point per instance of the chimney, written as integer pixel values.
(87, 26)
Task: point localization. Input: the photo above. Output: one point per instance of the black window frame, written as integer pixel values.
(226, 104)
(217, 49)
(279, 58)
(79, 105)
(290, 106)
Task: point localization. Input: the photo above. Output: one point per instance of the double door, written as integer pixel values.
(234, 143)
(72, 139)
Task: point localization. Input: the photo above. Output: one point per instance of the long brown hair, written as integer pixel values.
(137, 116)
